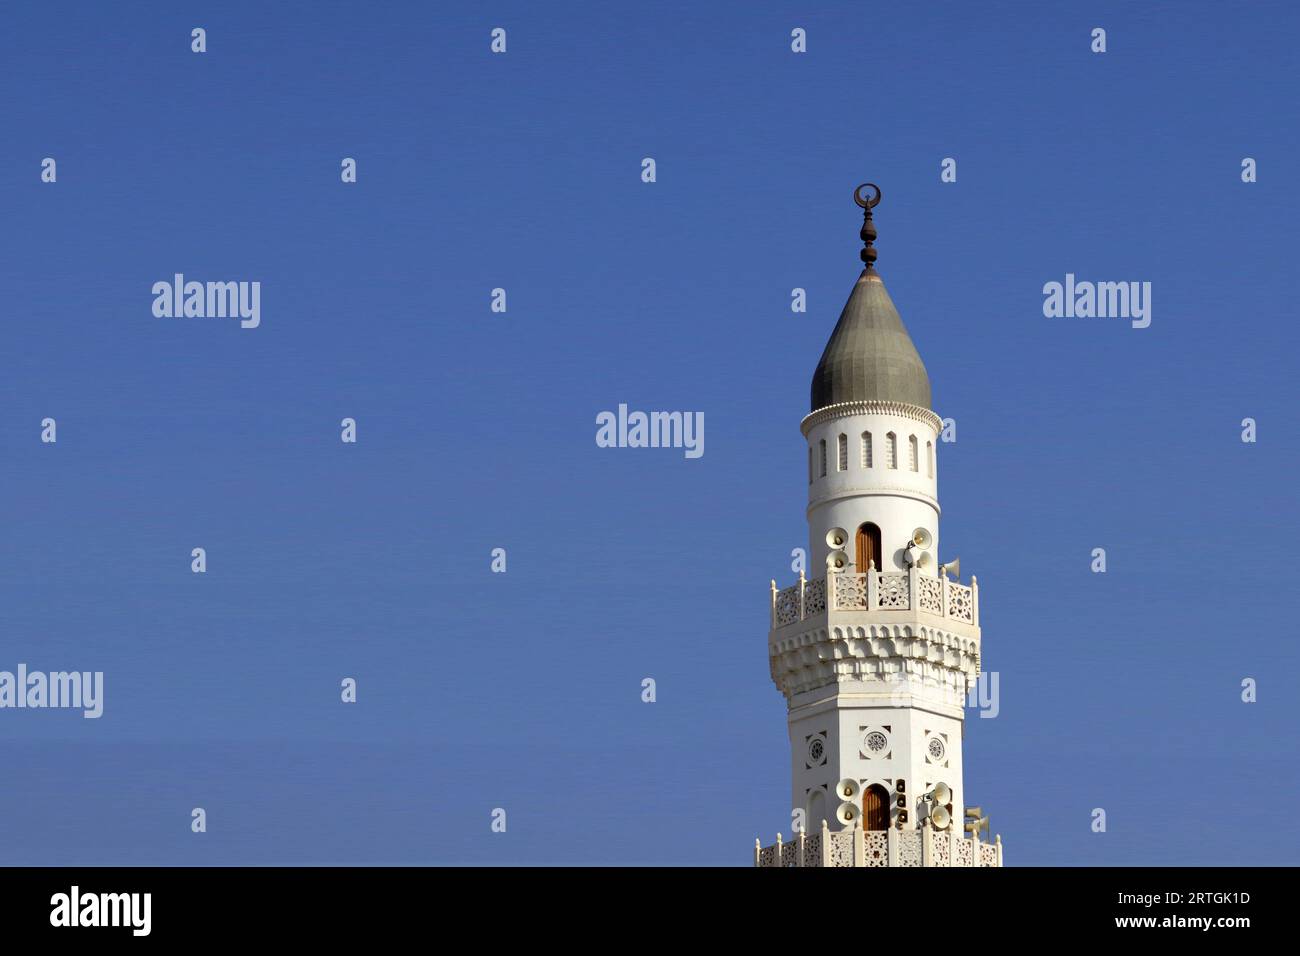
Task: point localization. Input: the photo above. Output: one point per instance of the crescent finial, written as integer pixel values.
(866, 203)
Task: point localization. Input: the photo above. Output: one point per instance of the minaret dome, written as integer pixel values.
(870, 356)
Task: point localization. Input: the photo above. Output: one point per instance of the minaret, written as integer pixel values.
(876, 649)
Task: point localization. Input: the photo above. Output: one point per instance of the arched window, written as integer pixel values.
(929, 457)
(866, 449)
(823, 447)
(875, 808)
(810, 465)
(891, 450)
(911, 453)
(844, 453)
(816, 810)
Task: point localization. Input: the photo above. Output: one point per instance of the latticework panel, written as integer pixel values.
(842, 848)
(877, 848)
(892, 592)
(930, 594)
(961, 604)
(787, 606)
(909, 847)
(850, 592)
(812, 850)
(814, 597)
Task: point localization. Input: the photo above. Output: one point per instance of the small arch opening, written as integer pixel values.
(868, 547)
(875, 808)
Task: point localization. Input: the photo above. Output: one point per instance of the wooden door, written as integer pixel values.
(875, 808)
(868, 548)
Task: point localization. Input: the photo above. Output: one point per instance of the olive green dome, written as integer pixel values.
(870, 356)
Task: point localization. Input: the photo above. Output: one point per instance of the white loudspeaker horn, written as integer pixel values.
(924, 560)
(837, 560)
(848, 789)
(941, 818)
(942, 793)
(953, 567)
(847, 812)
(836, 538)
(922, 538)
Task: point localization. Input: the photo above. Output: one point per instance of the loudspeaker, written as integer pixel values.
(939, 804)
(953, 567)
(848, 789)
(837, 561)
(976, 821)
(836, 538)
(847, 812)
(922, 538)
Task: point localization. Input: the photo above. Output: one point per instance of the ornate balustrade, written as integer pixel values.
(858, 847)
(876, 591)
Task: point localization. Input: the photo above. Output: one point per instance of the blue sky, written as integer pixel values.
(476, 430)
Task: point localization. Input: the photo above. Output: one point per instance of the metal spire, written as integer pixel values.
(868, 233)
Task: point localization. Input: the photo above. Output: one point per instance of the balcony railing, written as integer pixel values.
(876, 591)
(858, 847)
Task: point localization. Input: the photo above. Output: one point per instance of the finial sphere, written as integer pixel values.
(866, 203)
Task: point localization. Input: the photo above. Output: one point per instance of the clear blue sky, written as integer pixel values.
(476, 430)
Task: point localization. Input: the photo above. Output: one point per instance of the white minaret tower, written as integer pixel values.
(876, 649)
